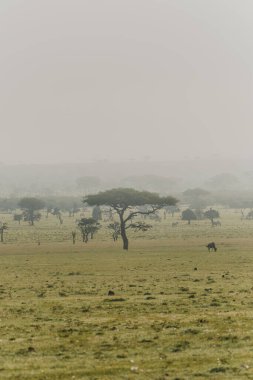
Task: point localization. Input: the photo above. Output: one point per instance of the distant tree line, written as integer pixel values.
(64, 203)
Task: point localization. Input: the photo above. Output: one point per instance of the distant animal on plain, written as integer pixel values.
(174, 224)
(216, 223)
(211, 247)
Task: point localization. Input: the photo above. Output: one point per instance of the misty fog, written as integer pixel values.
(83, 81)
(148, 94)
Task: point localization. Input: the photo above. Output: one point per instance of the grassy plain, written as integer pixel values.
(178, 311)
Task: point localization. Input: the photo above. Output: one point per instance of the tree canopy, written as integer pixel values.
(31, 203)
(188, 215)
(127, 198)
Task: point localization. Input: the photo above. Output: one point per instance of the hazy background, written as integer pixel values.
(125, 79)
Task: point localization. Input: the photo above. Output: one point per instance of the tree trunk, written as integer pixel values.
(32, 217)
(125, 241)
(123, 233)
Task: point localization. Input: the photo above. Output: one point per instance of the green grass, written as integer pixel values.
(178, 311)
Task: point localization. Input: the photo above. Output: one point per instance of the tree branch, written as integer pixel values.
(134, 213)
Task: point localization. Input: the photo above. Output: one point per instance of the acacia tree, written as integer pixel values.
(30, 207)
(188, 215)
(88, 227)
(115, 228)
(211, 214)
(125, 201)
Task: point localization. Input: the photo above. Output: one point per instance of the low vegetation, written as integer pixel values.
(166, 309)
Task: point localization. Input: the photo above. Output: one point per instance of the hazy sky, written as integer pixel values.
(92, 79)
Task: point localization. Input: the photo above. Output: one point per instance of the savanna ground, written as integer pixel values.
(178, 311)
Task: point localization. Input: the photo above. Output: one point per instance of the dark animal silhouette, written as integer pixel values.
(211, 247)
